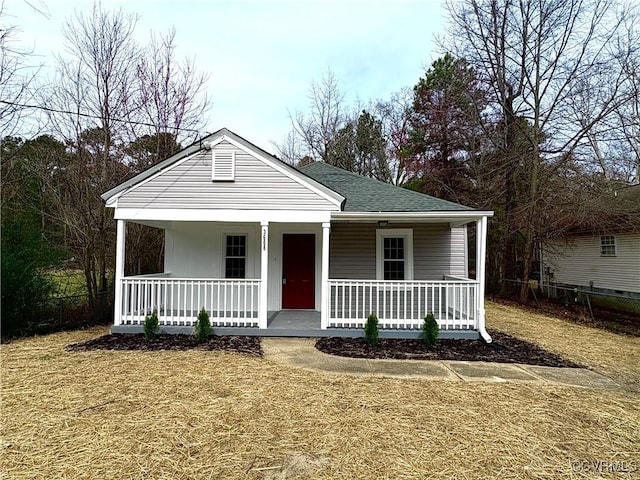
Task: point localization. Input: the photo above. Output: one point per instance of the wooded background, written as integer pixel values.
(532, 111)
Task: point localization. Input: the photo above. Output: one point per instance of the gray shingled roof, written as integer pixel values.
(368, 195)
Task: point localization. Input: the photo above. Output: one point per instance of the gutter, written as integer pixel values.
(440, 214)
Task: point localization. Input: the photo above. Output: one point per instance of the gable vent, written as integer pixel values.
(223, 166)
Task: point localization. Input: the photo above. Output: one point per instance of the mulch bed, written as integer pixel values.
(231, 343)
(504, 349)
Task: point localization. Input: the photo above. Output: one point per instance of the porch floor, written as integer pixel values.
(297, 323)
(294, 320)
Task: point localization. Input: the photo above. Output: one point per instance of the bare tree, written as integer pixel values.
(627, 117)
(395, 116)
(18, 73)
(94, 86)
(314, 132)
(533, 54)
(171, 101)
(611, 147)
(360, 147)
(290, 149)
(120, 107)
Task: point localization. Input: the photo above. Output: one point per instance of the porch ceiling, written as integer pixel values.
(349, 217)
(162, 225)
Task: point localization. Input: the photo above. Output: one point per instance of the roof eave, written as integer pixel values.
(158, 167)
(444, 215)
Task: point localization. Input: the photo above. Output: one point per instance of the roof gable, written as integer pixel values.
(186, 177)
(364, 194)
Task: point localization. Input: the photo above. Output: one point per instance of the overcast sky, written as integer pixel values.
(263, 55)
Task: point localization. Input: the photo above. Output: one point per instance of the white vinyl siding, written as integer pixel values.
(437, 250)
(458, 252)
(197, 249)
(256, 186)
(578, 261)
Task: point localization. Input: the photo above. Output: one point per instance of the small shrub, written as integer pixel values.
(430, 330)
(371, 330)
(203, 326)
(151, 326)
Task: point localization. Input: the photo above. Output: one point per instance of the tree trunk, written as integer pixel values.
(102, 254)
(531, 211)
(528, 247)
(511, 202)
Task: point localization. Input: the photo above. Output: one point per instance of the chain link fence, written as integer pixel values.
(69, 313)
(589, 298)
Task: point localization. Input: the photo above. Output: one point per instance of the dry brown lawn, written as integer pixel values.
(615, 356)
(205, 415)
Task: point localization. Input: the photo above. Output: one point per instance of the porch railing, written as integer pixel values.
(178, 300)
(403, 304)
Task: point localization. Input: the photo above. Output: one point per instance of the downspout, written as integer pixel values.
(483, 332)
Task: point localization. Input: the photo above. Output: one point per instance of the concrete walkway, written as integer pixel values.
(301, 352)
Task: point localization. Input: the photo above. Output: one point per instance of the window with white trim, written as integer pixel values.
(235, 261)
(608, 246)
(394, 254)
(223, 166)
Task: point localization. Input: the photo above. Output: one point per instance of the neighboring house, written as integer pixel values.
(271, 250)
(607, 263)
(603, 259)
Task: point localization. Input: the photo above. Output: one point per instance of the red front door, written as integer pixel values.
(298, 270)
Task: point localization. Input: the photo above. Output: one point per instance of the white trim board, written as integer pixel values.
(204, 215)
(455, 217)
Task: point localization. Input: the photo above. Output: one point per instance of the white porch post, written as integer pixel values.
(121, 235)
(324, 295)
(481, 251)
(264, 265)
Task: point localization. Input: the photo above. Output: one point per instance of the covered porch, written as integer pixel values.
(346, 286)
(234, 308)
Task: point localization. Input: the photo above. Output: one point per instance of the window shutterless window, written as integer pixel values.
(393, 258)
(608, 246)
(394, 254)
(235, 265)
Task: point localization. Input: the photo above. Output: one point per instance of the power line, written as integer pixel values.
(94, 117)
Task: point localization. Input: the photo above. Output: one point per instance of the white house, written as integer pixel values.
(603, 259)
(603, 263)
(269, 249)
